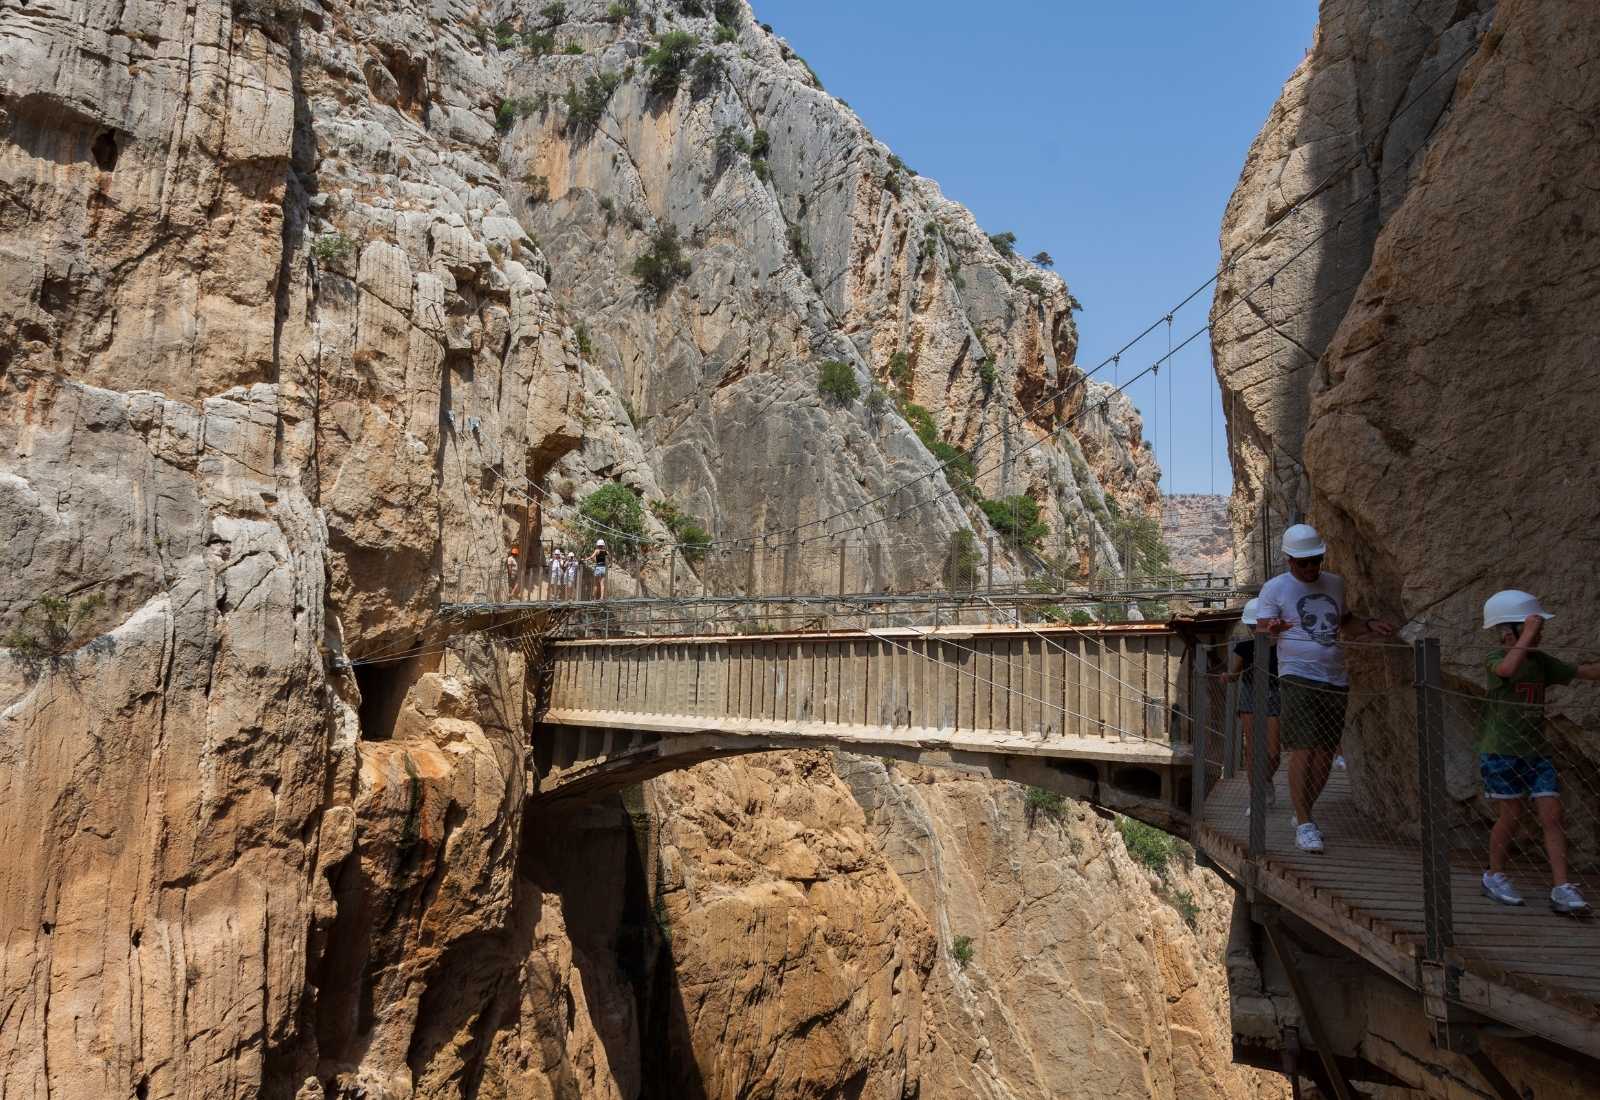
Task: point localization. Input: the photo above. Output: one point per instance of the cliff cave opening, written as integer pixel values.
(105, 150)
(383, 689)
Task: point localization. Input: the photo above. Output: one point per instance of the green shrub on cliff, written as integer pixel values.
(836, 382)
(662, 264)
(613, 512)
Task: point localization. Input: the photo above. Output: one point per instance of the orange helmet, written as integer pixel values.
(514, 551)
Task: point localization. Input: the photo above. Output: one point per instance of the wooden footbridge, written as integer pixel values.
(1129, 718)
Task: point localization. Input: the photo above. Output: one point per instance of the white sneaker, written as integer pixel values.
(1566, 899)
(1497, 886)
(1308, 838)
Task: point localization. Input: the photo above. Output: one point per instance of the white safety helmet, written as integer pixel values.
(1249, 616)
(599, 542)
(1302, 541)
(1511, 606)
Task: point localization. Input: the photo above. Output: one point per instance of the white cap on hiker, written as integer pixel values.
(1302, 541)
(599, 542)
(1511, 606)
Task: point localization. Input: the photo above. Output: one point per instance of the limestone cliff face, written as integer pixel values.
(808, 241)
(1441, 402)
(1088, 973)
(1338, 155)
(276, 342)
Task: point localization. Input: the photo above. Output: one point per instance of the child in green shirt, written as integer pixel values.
(1514, 755)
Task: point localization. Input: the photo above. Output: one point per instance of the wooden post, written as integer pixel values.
(672, 573)
(989, 556)
(1258, 748)
(1437, 903)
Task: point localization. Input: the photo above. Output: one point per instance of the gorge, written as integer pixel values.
(310, 310)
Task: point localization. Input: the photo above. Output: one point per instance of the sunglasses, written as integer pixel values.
(1316, 561)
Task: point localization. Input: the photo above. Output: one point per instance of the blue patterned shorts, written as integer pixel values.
(1506, 777)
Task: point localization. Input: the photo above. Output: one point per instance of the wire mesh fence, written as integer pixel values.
(968, 575)
(1455, 814)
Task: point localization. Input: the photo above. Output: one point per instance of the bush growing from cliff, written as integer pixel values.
(961, 950)
(613, 512)
(553, 14)
(586, 103)
(510, 110)
(891, 184)
(836, 382)
(538, 43)
(621, 11)
(760, 144)
(669, 60)
(987, 373)
(900, 369)
(504, 36)
(1033, 285)
(1016, 519)
(691, 538)
(46, 629)
(1004, 243)
(332, 248)
(705, 73)
(1147, 844)
(727, 12)
(662, 265)
(1044, 259)
(1041, 802)
(724, 34)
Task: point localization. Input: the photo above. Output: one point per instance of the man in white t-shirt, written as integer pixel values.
(1304, 609)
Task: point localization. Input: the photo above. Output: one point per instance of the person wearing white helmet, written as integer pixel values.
(1513, 752)
(569, 575)
(598, 561)
(1242, 669)
(1304, 609)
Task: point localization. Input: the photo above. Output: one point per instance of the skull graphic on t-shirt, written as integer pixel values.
(1319, 617)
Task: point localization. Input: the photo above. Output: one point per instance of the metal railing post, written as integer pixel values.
(1199, 719)
(843, 550)
(1260, 685)
(1437, 903)
(1230, 727)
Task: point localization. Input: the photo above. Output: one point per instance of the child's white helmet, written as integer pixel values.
(599, 542)
(1511, 606)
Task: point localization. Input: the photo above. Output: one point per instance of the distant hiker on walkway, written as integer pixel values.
(1304, 610)
(598, 560)
(1242, 669)
(555, 567)
(514, 570)
(1513, 753)
(569, 575)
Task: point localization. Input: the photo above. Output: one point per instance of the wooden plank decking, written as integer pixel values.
(1525, 966)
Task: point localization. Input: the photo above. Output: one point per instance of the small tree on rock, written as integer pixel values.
(836, 382)
(663, 264)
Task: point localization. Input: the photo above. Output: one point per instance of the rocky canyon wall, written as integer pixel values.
(1424, 366)
(281, 337)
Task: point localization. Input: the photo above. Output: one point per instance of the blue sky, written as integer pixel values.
(1109, 135)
